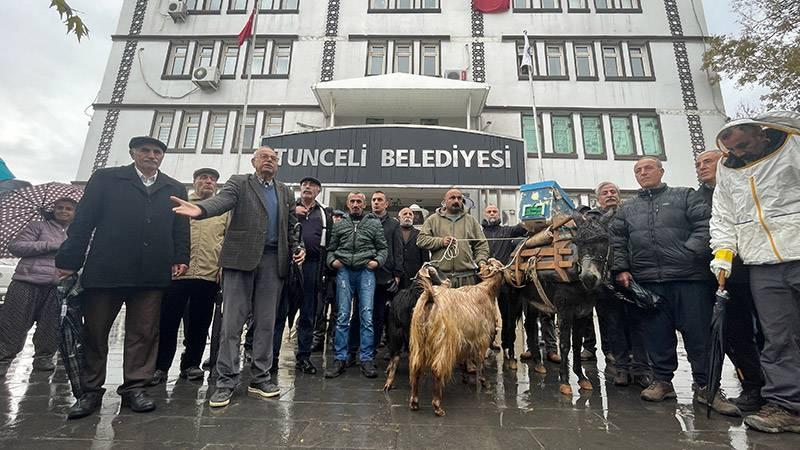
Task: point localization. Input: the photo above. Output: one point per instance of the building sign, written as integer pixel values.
(405, 155)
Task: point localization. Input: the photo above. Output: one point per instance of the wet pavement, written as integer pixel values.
(516, 409)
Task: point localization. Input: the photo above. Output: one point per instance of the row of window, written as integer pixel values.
(619, 60)
(272, 58)
(241, 6)
(402, 55)
(628, 136)
(207, 131)
(600, 6)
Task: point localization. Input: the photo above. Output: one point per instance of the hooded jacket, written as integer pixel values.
(357, 243)
(756, 210)
(37, 245)
(464, 226)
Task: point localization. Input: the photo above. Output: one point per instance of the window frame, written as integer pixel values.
(519, 49)
(620, 61)
(598, 116)
(223, 57)
(370, 44)
(232, 10)
(391, 8)
(179, 147)
(203, 10)
(273, 55)
(663, 155)
(629, 116)
(410, 45)
(438, 59)
(648, 55)
(156, 123)
(280, 9)
(198, 46)
(539, 134)
(207, 149)
(554, 154)
(564, 65)
(584, 9)
(613, 8)
(235, 141)
(529, 8)
(265, 122)
(592, 57)
(169, 62)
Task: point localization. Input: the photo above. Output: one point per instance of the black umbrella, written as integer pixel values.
(293, 287)
(634, 294)
(71, 346)
(716, 352)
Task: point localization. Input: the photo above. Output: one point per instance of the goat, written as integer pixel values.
(449, 326)
(398, 319)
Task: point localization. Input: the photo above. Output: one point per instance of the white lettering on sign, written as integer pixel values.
(397, 157)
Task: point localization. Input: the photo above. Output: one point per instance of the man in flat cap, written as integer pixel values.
(197, 288)
(137, 246)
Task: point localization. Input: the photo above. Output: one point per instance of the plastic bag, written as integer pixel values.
(635, 294)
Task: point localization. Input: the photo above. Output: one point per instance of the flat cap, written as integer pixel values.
(205, 171)
(312, 180)
(338, 212)
(139, 141)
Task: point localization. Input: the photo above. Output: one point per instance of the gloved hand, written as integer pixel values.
(723, 261)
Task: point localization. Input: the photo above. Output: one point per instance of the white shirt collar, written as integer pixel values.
(147, 181)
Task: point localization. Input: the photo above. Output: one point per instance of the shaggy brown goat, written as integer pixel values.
(451, 326)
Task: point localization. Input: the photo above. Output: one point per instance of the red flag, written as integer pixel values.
(491, 6)
(247, 31)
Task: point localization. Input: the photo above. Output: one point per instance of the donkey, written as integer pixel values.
(574, 301)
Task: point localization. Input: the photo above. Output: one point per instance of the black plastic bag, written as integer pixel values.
(634, 294)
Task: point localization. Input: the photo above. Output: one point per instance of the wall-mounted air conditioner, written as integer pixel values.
(206, 78)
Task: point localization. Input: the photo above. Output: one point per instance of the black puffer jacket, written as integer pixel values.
(662, 235)
(393, 267)
(501, 250)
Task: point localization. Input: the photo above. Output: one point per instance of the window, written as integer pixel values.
(640, 61)
(584, 61)
(281, 56)
(612, 61)
(433, 122)
(650, 132)
(249, 133)
(217, 125)
(259, 64)
(278, 5)
(622, 136)
(592, 133)
(204, 55)
(617, 5)
(374, 121)
(379, 4)
(578, 5)
(522, 71)
(190, 128)
(162, 126)
(376, 59)
(555, 61)
(430, 4)
(429, 64)
(547, 5)
(204, 5)
(563, 134)
(404, 4)
(176, 59)
(237, 5)
(530, 135)
(402, 57)
(273, 123)
(230, 56)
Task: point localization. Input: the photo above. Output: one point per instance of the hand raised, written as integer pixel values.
(185, 208)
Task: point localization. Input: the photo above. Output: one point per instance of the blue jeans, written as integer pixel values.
(347, 281)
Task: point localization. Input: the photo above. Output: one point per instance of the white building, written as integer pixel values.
(613, 80)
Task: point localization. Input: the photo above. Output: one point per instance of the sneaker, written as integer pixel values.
(44, 364)
(305, 366)
(749, 400)
(159, 376)
(527, 354)
(622, 378)
(643, 380)
(774, 419)
(553, 357)
(192, 373)
(658, 391)
(221, 397)
(336, 369)
(265, 389)
(720, 403)
(369, 370)
(588, 355)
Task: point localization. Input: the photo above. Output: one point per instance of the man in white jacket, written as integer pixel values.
(756, 214)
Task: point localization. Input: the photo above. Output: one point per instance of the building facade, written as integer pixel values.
(612, 80)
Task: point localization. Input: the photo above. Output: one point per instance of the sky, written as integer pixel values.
(46, 99)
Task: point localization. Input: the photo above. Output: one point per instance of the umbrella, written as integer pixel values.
(71, 346)
(716, 352)
(634, 294)
(20, 207)
(293, 288)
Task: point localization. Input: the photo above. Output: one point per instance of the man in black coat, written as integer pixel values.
(660, 238)
(137, 246)
(413, 256)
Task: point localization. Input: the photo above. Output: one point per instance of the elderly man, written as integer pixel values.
(357, 249)
(757, 216)
(197, 288)
(413, 256)
(740, 320)
(450, 227)
(254, 259)
(660, 238)
(511, 307)
(620, 324)
(137, 246)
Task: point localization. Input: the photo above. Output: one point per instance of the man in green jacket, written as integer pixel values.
(451, 227)
(357, 248)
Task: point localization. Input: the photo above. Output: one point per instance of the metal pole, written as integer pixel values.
(469, 111)
(535, 119)
(248, 69)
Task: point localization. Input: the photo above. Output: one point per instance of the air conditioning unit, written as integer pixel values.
(455, 74)
(178, 10)
(206, 78)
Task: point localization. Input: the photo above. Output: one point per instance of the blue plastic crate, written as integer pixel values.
(539, 202)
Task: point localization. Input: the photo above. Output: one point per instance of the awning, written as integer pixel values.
(401, 95)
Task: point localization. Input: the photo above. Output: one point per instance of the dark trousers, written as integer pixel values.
(687, 308)
(626, 335)
(532, 318)
(26, 304)
(195, 298)
(142, 311)
(216, 330)
(325, 320)
(740, 332)
(378, 320)
(308, 309)
(776, 294)
(510, 305)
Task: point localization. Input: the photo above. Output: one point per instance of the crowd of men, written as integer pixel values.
(170, 257)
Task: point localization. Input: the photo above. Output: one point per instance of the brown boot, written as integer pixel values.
(774, 419)
(553, 357)
(526, 355)
(658, 391)
(720, 404)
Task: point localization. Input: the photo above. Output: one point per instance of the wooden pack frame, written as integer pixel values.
(557, 256)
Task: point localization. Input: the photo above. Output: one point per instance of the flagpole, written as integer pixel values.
(248, 70)
(535, 116)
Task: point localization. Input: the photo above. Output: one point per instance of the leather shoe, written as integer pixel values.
(88, 403)
(159, 376)
(305, 366)
(138, 401)
(554, 357)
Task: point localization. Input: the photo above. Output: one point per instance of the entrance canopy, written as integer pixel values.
(401, 95)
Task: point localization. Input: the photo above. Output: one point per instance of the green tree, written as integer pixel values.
(71, 19)
(767, 52)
